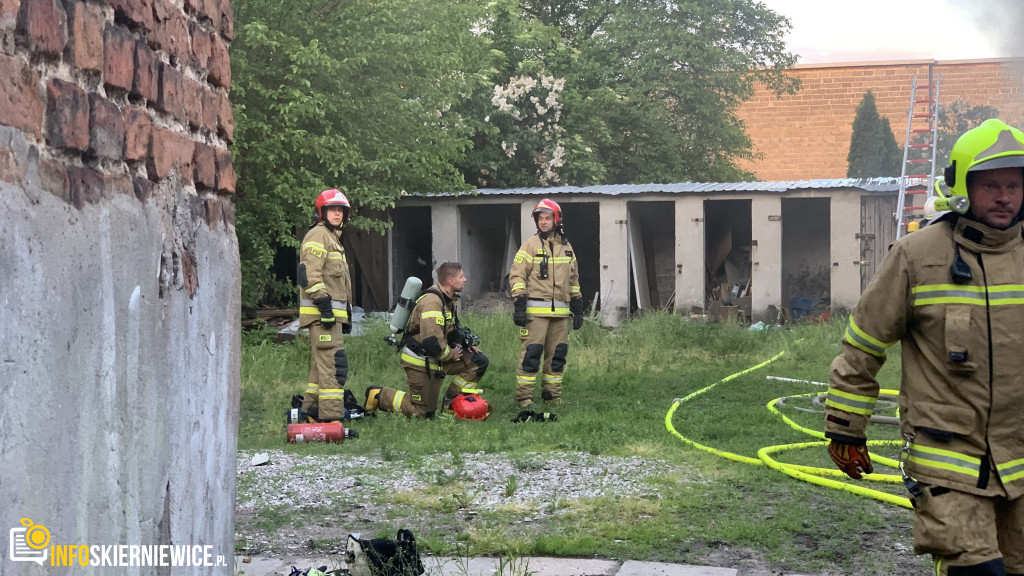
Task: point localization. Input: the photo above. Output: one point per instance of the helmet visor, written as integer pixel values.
(1014, 161)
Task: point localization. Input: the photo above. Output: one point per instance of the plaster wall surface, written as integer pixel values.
(119, 392)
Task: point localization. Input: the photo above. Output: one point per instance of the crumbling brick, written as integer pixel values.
(9, 13)
(11, 170)
(227, 20)
(138, 129)
(202, 47)
(21, 105)
(226, 120)
(134, 13)
(53, 177)
(211, 109)
(106, 128)
(118, 57)
(193, 92)
(85, 41)
(204, 163)
(220, 64)
(85, 185)
(225, 172)
(172, 92)
(171, 36)
(67, 115)
(42, 25)
(147, 72)
(169, 150)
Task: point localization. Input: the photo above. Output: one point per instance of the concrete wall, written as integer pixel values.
(119, 275)
(766, 255)
(846, 258)
(806, 135)
(689, 253)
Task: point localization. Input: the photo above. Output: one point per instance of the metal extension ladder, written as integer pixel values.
(918, 155)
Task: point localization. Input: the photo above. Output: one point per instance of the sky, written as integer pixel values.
(872, 30)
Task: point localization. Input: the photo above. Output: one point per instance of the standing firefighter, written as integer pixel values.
(952, 294)
(325, 289)
(545, 290)
(436, 345)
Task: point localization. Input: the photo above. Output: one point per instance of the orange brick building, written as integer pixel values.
(807, 135)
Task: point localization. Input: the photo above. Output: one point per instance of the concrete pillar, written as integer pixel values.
(614, 264)
(445, 233)
(845, 225)
(766, 253)
(689, 253)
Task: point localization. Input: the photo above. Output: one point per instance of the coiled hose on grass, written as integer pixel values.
(814, 475)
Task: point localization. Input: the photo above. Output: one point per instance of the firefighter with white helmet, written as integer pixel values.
(952, 295)
(546, 295)
(436, 345)
(325, 288)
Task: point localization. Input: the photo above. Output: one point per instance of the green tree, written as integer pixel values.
(349, 95)
(955, 119)
(873, 148)
(650, 89)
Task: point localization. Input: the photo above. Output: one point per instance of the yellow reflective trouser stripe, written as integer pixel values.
(417, 361)
(553, 378)
(315, 287)
(312, 388)
(860, 339)
(332, 393)
(945, 460)
(396, 403)
(526, 378)
(518, 286)
(466, 386)
(1012, 470)
(850, 402)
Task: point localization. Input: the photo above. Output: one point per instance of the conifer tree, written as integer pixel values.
(873, 148)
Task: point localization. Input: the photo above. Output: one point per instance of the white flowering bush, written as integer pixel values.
(528, 112)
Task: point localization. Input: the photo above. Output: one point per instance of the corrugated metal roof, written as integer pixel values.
(868, 184)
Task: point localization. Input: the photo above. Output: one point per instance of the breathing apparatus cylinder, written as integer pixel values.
(400, 317)
(319, 432)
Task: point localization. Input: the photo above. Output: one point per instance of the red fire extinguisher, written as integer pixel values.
(320, 432)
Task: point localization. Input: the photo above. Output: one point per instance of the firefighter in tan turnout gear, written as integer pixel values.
(545, 292)
(952, 295)
(430, 351)
(324, 292)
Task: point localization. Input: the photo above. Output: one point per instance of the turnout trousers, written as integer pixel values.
(325, 390)
(547, 337)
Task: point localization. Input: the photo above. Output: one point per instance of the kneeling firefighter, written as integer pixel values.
(545, 291)
(435, 345)
(325, 289)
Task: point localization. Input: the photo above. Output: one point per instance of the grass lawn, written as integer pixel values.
(618, 387)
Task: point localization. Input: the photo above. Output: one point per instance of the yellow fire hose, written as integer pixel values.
(810, 474)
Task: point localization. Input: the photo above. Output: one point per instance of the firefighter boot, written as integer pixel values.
(371, 399)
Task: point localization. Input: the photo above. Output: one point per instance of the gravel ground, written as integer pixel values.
(366, 492)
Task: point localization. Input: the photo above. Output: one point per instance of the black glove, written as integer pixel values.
(346, 328)
(519, 311)
(327, 318)
(576, 307)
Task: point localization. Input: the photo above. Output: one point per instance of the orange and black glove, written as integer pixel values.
(851, 456)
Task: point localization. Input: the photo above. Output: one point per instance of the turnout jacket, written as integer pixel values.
(323, 271)
(962, 392)
(431, 320)
(546, 297)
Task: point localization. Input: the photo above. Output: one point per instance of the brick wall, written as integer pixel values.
(807, 135)
(115, 96)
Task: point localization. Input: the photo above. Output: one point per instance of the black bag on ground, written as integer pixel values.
(383, 556)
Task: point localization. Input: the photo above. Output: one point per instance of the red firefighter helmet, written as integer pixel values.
(471, 407)
(331, 197)
(551, 207)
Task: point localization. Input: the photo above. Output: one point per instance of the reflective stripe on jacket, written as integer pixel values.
(962, 391)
